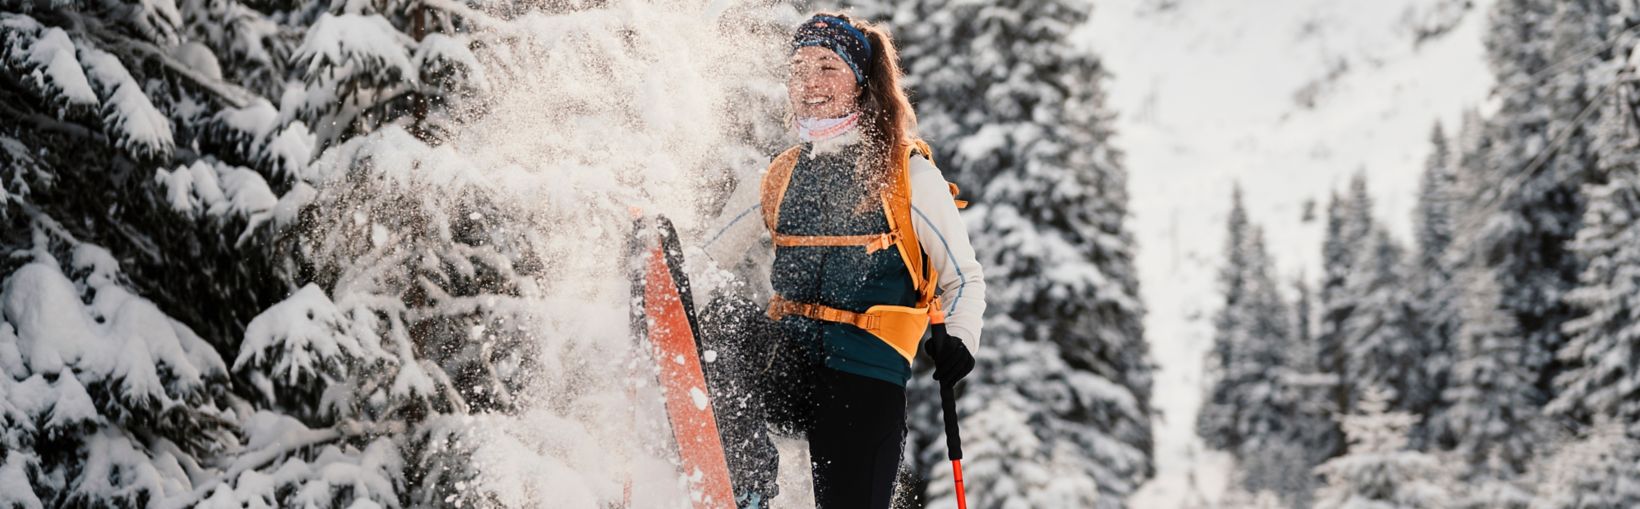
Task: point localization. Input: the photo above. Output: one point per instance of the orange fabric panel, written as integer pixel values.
(900, 326)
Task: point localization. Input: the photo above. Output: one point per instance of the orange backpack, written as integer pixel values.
(901, 327)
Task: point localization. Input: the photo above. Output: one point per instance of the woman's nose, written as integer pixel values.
(803, 82)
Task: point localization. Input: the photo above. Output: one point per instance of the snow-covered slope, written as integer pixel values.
(1288, 98)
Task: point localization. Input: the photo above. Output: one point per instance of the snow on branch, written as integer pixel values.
(352, 43)
(298, 348)
(219, 190)
(129, 118)
(121, 390)
(44, 59)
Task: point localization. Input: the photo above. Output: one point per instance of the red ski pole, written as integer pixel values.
(953, 439)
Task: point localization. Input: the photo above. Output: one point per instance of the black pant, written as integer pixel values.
(770, 374)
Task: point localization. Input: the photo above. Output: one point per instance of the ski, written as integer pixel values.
(664, 316)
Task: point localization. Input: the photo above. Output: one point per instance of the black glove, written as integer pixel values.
(951, 358)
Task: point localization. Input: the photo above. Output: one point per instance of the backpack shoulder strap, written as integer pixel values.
(897, 205)
(775, 180)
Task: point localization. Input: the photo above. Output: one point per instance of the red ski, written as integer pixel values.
(670, 326)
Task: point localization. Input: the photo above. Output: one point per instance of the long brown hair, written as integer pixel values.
(887, 122)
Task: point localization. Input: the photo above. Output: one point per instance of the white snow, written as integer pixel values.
(72, 407)
(308, 327)
(148, 361)
(53, 54)
(112, 458)
(246, 193)
(292, 149)
(103, 268)
(218, 189)
(1208, 94)
(199, 58)
(367, 40)
(698, 397)
(256, 119)
(11, 360)
(443, 49)
(128, 116)
(53, 330)
(15, 490)
(292, 203)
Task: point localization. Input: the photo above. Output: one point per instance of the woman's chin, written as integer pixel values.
(820, 113)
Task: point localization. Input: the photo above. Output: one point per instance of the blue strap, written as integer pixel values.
(950, 306)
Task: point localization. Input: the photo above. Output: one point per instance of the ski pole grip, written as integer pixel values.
(953, 438)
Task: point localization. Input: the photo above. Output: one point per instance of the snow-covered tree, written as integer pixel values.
(1493, 406)
(1350, 225)
(1599, 470)
(1015, 111)
(1336, 257)
(1604, 347)
(1249, 406)
(1217, 422)
(1382, 346)
(1541, 150)
(101, 103)
(1434, 303)
(1380, 470)
(105, 401)
(1314, 429)
(358, 314)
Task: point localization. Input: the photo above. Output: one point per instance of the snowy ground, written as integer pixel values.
(1208, 94)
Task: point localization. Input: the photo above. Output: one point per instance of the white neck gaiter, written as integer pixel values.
(821, 129)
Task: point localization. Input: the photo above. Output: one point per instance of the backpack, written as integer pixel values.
(902, 327)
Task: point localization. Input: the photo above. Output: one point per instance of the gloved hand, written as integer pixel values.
(952, 361)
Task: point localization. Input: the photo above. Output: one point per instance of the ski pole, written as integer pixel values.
(953, 439)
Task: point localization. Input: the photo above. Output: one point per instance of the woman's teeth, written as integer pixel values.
(815, 101)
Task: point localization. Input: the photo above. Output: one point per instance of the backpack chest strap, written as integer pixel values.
(873, 243)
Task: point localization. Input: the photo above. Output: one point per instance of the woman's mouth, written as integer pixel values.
(813, 101)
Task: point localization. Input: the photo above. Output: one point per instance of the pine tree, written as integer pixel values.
(1380, 470)
(1382, 350)
(1216, 421)
(105, 111)
(1433, 303)
(231, 309)
(101, 405)
(1598, 470)
(1310, 389)
(1603, 343)
(1249, 404)
(1445, 310)
(1313, 428)
(1015, 112)
(1493, 405)
(1336, 256)
(1349, 226)
(1542, 147)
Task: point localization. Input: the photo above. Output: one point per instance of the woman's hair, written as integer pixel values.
(887, 122)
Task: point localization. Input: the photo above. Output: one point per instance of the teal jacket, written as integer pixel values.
(823, 199)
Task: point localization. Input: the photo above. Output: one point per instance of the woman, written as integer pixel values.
(865, 234)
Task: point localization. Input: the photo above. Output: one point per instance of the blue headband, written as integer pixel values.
(838, 35)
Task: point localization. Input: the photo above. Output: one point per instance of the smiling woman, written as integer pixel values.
(822, 85)
(867, 246)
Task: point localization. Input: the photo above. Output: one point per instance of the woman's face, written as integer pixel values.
(821, 84)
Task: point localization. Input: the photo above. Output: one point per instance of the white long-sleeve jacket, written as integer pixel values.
(729, 240)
